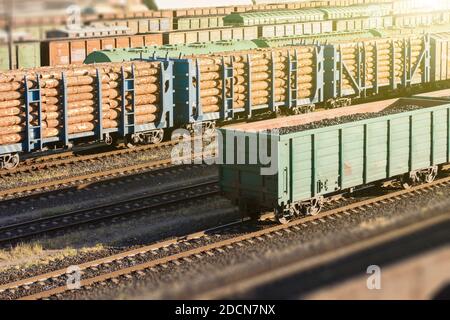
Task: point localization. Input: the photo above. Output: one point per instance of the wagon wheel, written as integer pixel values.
(11, 161)
(209, 129)
(313, 208)
(110, 140)
(296, 110)
(312, 108)
(429, 177)
(406, 183)
(280, 216)
(157, 136)
(129, 143)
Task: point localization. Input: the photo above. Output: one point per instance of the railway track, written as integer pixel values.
(53, 283)
(82, 181)
(69, 158)
(257, 281)
(21, 231)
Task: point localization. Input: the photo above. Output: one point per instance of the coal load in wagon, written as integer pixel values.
(349, 118)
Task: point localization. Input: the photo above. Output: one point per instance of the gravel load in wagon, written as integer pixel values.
(81, 96)
(331, 117)
(393, 109)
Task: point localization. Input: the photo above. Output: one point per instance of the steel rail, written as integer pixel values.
(67, 158)
(21, 231)
(84, 180)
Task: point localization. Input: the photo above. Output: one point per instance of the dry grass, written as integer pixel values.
(28, 255)
(21, 251)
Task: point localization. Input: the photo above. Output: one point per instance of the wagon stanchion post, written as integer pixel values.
(231, 77)
(65, 131)
(319, 78)
(198, 107)
(99, 105)
(363, 84)
(33, 133)
(409, 68)
(358, 68)
(427, 60)
(393, 64)
(375, 69)
(133, 97)
(295, 67)
(38, 101)
(272, 106)
(340, 71)
(249, 103)
(289, 82)
(166, 77)
(227, 100)
(27, 117)
(123, 104)
(406, 60)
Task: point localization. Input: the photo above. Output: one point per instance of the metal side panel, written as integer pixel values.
(325, 171)
(399, 146)
(301, 167)
(285, 170)
(9, 148)
(376, 150)
(242, 180)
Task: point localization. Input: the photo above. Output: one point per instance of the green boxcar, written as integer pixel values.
(25, 55)
(273, 17)
(363, 23)
(318, 162)
(376, 10)
(194, 23)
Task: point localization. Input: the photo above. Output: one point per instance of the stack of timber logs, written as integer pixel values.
(82, 97)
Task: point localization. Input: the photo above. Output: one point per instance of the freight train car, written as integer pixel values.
(210, 35)
(257, 80)
(315, 156)
(57, 108)
(74, 50)
(373, 66)
(25, 54)
(351, 68)
(303, 15)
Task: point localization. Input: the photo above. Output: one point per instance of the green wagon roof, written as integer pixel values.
(375, 10)
(308, 39)
(170, 51)
(274, 17)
